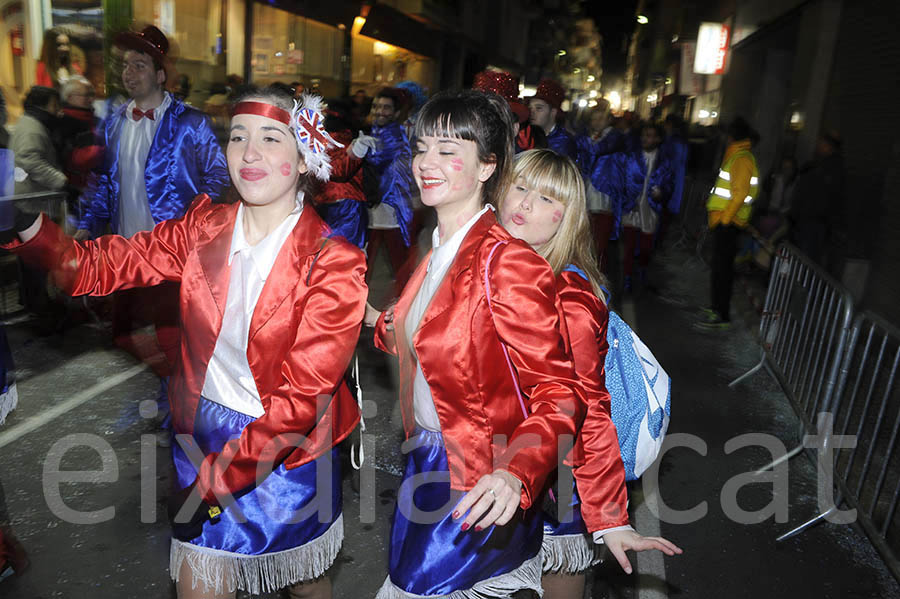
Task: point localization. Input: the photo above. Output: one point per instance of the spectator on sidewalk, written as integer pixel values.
(55, 65)
(730, 205)
(82, 151)
(816, 212)
(38, 168)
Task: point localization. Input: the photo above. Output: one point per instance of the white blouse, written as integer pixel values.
(229, 380)
(442, 257)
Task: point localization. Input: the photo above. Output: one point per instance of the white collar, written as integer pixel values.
(157, 111)
(264, 253)
(443, 253)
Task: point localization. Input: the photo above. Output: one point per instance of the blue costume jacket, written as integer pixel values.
(621, 176)
(589, 150)
(562, 142)
(184, 161)
(392, 161)
(677, 150)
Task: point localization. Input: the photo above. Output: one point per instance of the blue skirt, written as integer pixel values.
(348, 219)
(9, 397)
(430, 556)
(286, 530)
(568, 547)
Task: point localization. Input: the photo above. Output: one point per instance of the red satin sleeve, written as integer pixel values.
(332, 314)
(525, 300)
(599, 473)
(385, 340)
(112, 262)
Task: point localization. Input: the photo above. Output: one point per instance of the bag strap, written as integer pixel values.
(487, 289)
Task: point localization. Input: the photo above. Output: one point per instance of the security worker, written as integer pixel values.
(730, 204)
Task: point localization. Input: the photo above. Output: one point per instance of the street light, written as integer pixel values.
(561, 53)
(642, 20)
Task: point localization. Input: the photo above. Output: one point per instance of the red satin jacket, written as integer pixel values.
(302, 334)
(599, 473)
(458, 346)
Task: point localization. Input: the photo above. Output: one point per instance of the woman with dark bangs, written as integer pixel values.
(481, 438)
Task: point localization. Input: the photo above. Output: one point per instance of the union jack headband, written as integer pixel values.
(308, 125)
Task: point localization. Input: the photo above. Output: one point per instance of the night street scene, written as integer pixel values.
(449, 299)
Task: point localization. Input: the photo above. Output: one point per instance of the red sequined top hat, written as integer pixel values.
(505, 85)
(149, 40)
(551, 92)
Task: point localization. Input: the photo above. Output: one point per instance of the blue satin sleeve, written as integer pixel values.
(210, 160)
(392, 143)
(585, 154)
(662, 177)
(396, 188)
(94, 203)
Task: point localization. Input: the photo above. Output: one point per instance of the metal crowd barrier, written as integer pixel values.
(693, 219)
(804, 328)
(866, 407)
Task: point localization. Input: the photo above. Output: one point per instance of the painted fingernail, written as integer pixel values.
(477, 529)
(465, 526)
(455, 515)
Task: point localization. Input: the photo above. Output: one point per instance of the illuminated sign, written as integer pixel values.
(712, 48)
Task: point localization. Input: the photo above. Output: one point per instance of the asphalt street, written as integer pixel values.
(83, 477)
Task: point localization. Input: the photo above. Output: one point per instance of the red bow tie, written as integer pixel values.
(138, 114)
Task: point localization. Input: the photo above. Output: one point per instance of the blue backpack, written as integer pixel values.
(640, 397)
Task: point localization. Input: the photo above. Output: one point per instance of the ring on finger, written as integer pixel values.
(494, 495)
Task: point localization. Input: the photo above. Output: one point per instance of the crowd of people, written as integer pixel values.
(252, 263)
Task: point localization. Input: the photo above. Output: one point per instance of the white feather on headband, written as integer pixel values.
(313, 141)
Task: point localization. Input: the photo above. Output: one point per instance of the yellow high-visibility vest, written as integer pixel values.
(720, 194)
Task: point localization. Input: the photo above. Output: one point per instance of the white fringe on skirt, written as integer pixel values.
(526, 576)
(8, 402)
(223, 571)
(569, 554)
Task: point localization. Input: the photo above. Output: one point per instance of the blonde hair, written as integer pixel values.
(556, 176)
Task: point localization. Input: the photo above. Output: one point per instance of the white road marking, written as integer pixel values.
(35, 422)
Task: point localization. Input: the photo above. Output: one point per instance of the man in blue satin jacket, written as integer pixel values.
(160, 153)
(545, 106)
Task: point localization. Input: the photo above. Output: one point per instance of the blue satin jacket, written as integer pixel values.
(392, 161)
(590, 149)
(184, 161)
(562, 142)
(621, 176)
(677, 149)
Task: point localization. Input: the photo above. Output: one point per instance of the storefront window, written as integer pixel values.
(196, 33)
(289, 48)
(377, 64)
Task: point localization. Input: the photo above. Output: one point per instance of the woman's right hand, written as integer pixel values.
(370, 319)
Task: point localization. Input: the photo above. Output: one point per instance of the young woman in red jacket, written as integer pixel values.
(466, 524)
(545, 207)
(270, 310)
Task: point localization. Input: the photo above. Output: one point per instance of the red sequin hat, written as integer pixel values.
(551, 92)
(149, 40)
(505, 85)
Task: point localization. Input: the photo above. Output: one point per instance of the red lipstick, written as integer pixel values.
(252, 174)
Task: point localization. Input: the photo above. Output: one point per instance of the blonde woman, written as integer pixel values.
(545, 207)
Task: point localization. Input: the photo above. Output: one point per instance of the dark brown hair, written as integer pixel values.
(483, 118)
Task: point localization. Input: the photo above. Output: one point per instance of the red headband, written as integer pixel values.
(261, 109)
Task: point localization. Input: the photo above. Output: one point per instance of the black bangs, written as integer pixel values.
(448, 114)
